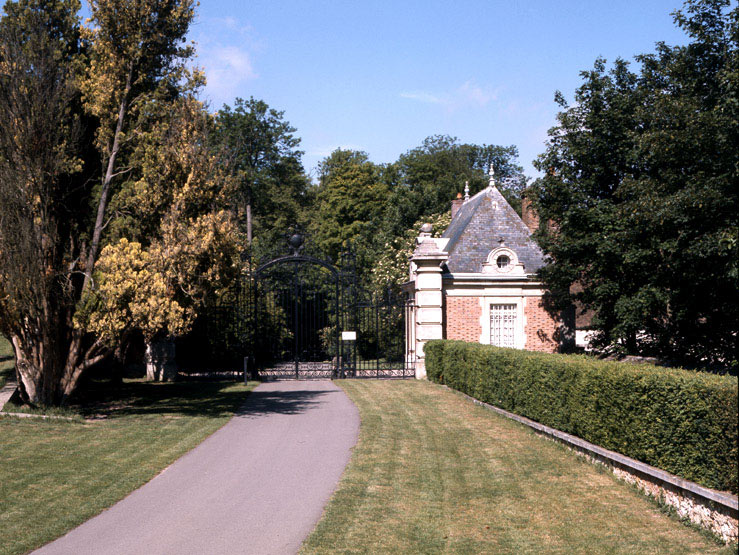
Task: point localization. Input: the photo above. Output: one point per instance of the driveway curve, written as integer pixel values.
(257, 485)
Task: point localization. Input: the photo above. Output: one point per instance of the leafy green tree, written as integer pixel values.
(349, 202)
(262, 150)
(155, 278)
(392, 265)
(426, 179)
(639, 200)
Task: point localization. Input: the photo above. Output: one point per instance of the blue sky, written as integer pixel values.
(381, 76)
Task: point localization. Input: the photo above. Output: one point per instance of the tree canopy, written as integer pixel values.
(425, 179)
(639, 200)
(104, 158)
(262, 151)
(349, 203)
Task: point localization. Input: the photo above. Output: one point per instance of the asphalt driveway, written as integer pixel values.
(258, 485)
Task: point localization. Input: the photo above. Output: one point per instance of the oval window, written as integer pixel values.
(503, 261)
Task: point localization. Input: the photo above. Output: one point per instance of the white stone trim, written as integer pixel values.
(514, 267)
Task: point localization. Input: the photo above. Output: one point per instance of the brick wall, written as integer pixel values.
(540, 327)
(462, 318)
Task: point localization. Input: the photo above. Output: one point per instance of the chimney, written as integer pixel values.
(529, 215)
(457, 204)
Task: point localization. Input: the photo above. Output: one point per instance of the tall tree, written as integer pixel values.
(640, 194)
(350, 200)
(184, 246)
(262, 151)
(42, 207)
(119, 78)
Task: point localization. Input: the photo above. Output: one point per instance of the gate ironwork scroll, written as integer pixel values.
(297, 301)
(299, 316)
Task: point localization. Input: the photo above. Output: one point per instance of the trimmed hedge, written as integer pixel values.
(682, 422)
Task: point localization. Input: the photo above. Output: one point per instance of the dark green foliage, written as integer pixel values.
(639, 200)
(348, 204)
(425, 179)
(262, 150)
(680, 421)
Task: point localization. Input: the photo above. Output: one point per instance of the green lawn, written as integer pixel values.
(433, 473)
(55, 475)
(7, 361)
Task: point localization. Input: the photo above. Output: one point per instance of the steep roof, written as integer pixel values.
(477, 229)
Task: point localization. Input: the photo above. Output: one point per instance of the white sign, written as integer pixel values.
(348, 336)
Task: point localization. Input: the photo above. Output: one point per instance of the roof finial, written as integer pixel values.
(491, 173)
(466, 191)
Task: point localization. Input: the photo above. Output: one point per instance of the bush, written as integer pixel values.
(680, 421)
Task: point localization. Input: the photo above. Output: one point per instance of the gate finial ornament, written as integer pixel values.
(296, 243)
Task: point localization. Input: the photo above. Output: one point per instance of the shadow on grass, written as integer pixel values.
(208, 399)
(6, 358)
(261, 403)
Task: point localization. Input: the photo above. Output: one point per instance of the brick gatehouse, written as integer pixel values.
(478, 281)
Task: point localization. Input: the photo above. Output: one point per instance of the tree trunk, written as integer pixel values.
(49, 365)
(38, 370)
(160, 360)
(109, 174)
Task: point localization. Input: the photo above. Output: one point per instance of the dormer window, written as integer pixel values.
(502, 261)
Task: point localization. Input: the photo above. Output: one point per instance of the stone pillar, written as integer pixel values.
(427, 258)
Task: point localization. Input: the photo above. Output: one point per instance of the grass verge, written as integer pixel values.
(55, 474)
(433, 473)
(7, 360)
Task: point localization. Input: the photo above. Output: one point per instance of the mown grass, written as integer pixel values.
(56, 474)
(433, 473)
(7, 360)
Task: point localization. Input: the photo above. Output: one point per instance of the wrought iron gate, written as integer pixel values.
(299, 316)
(297, 300)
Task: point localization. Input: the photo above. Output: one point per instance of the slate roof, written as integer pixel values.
(477, 229)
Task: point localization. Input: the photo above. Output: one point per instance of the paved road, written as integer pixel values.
(258, 485)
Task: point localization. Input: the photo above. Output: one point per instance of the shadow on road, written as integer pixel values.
(259, 403)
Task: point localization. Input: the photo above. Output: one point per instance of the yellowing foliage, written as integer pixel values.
(133, 290)
(190, 241)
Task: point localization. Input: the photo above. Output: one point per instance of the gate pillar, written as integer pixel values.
(427, 288)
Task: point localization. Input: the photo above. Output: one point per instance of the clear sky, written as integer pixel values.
(380, 76)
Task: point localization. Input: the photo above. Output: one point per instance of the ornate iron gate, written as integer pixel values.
(298, 316)
(297, 300)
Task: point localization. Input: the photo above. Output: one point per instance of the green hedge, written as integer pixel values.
(680, 421)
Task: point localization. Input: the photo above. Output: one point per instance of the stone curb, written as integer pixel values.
(42, 416)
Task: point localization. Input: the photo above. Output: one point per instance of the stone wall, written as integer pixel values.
(541, 328)
(462, 318)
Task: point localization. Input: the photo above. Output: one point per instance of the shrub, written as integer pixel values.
(680, 421)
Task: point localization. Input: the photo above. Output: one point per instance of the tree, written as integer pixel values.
(185, 248)
(639, 198)
(262, 151)
(349, 203)
(392, 266)
(40, 136)
(77, 106)
(426, 179)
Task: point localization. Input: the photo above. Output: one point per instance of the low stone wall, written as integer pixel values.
(714, 510)
(719, 518)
